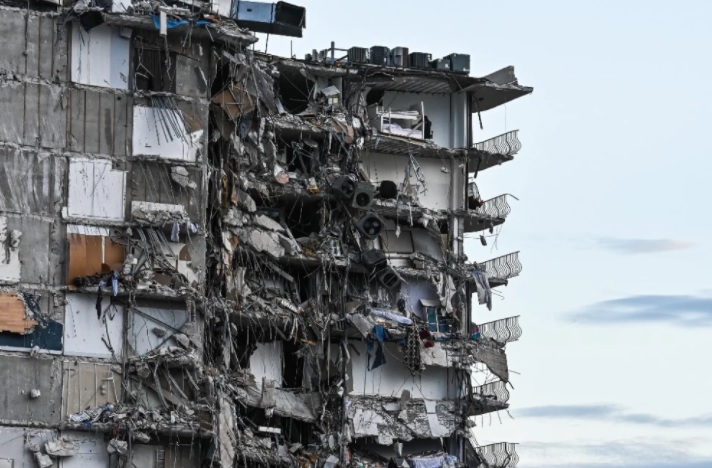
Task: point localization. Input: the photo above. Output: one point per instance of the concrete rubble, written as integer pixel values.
(219, 257)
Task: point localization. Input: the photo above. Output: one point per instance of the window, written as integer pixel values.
(437, 323)
(154, 68)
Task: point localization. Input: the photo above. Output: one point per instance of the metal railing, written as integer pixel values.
(504, 267)
(496, 207)
(504, 330)
(507, 144)
(494, 391)
(501, 455)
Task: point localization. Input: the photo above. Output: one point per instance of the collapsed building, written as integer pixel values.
(218, 257)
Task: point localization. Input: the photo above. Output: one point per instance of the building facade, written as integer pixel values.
(216, 257)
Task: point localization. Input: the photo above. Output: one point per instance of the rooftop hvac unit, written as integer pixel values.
(344, 186)
(420, 60)
(459, 63)
(399, 57)
(374, 260)
(370, 226)
(358, 55)
(388, 278)
(380, 55)
(440, 64)
(281, 18)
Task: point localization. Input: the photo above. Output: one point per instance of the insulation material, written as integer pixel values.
(88, 385)
(10, 266)
(153, 328)
(266, 363)
(13, 315)
(96, 190)
(87, 335)
(92, 252)
(163, 133)
(100, 57)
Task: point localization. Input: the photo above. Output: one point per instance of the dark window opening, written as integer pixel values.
(303, 217)
(293, 372)
(154, 69)
(294, 91)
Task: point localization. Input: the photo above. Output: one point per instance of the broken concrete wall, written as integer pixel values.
(153, 325)
(38, 46)
(41, 176)
(44, 127)
(15, 444)
(21, 375)
(99, 122)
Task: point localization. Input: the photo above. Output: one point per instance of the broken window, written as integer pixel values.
(437, 322)
(294, 91)
(92, 253)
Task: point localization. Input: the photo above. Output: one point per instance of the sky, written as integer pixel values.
(613, 219)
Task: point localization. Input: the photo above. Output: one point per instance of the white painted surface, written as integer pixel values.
(446, 112)
(390, 379)
(12, 444)
(221, 7)
(141, 336)
(10, 266)
(96, 190)
(162, 133)
(381, 167)
(266, 362)
(100, 57)
(416, 289)
(83, 331)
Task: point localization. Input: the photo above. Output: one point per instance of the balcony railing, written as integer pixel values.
(504, 267)
(495, 391)
(507, 144)
(501, 455)
(496, 207)
(505, 330)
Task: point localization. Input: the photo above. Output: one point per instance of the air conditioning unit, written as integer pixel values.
(440, 64)
(399, 57)
(344, 186)
(374, 260)
(358, 55)
(380, 56)
(419, 60)
(459, 63)
(388, 190)
(363, 196)
(370, 226)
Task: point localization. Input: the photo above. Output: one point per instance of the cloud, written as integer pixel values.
(681, 310)
(642, 246)
(609, 413)
(633, 453)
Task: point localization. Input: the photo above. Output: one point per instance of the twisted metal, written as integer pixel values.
(496, 207)
(504, 330)
(504, 267)
(495, 391)
(501, 455)
(507, 144)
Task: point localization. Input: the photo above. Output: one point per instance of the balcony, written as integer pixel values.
(506, 144)
(501, 455)
(505, 330)
(488, 398)
(491, 213)
(499, 270)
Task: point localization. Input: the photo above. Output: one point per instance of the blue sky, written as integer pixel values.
(614, 186)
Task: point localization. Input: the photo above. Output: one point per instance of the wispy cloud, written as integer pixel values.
(642, 246)
(682, 310)
(610, 413)
(619, 454)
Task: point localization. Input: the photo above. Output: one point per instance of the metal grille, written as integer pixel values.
(504, 267)
(501, 455)
(507, 144)
(505, 330)
(496, 391)
(496, 207)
